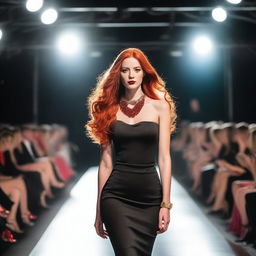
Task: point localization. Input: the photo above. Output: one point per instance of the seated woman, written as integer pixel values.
(5, 207)
(192, 151)
(36, 193)
(229, 169)
(51, 142)
(239, 220)
(208, 151)
(15, 189)
(23, 160)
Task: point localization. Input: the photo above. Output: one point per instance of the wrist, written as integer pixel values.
(167, 205)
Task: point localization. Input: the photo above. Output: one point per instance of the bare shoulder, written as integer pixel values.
(161, 106)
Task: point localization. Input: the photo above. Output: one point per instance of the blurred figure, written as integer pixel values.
(195, 112)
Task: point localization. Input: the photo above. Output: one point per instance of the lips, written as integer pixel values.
(131, 82)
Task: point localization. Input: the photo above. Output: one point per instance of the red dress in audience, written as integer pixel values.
(64, 170)
(235, 224)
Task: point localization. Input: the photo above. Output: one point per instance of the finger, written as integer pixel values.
(99, 229)
(165, 224)
(161, 227)
(103, 232)
(160, 231)
(160, 223)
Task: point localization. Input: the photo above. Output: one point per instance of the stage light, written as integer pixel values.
(49, 16)
(202, 45)
(219, 14)
(34, 5)
(1, 34)
(176, 53)
(234, 1)
(69, 44)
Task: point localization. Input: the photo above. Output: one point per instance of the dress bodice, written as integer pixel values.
(135, 143)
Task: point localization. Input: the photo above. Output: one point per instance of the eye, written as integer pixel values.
(124, 70)
(137, 70)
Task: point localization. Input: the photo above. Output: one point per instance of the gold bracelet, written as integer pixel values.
(166, 205)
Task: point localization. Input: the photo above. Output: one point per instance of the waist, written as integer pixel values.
(135, 167)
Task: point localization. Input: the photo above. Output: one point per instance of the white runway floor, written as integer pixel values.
(72, 233)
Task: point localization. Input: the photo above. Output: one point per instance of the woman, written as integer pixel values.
(34, 185)
(15, 188)
(230, 169)
(129, 192)
(240, 188)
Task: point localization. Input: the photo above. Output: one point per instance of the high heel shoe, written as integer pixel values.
(59, 185)
(43, 201)
(31, 216)
(13, 227)
(7, 236)
(248, 238)
(3, 212)
(50, 195)
(215, 212)
(26, 220)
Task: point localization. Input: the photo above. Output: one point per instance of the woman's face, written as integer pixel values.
(131, 71)
(8, 142)
(222, 136)
(236, 136)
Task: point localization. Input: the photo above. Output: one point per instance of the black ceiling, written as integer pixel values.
(147, 26)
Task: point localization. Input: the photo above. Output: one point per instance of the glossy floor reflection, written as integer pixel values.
(72, 230)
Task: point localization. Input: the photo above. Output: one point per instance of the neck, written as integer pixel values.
(133, 94)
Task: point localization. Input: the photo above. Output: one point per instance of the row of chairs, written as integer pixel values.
(217, 161)
(35, 163)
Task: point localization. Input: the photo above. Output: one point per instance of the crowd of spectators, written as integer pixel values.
(218, 162)
(35, 163)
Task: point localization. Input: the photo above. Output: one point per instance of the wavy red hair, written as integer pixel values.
(104, 99)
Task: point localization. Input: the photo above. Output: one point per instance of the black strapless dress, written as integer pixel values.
(131, 197)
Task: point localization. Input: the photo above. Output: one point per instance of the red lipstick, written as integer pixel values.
(131, 82)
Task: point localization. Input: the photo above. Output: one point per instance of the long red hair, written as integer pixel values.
(104, 99)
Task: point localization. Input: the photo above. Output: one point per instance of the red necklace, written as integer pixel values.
(132, 112)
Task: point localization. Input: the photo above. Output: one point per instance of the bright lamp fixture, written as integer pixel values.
(34, 5)
(49, 16)
(202, 45)
(69, 44)
(234, 1)
(219, 14)
(1, 34)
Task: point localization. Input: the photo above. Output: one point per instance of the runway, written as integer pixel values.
(72, 230)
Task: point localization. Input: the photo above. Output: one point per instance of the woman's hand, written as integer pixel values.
(221, 163)
(163, 220)
(99, 226)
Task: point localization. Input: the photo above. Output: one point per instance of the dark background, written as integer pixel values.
(65, 83)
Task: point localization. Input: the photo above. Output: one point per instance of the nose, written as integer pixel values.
(131, 74)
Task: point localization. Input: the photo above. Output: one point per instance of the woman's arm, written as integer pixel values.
(244, 160)
(234, 168)
(164, 158)
(105, 168)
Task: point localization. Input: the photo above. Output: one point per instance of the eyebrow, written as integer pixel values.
(133, 67)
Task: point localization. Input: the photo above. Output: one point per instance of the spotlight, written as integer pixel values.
(219, 14)
(234, 1)
(34, 5)
(1, 34)
(69, 44)
(49, 16)
(202, 45)
(176, 53)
